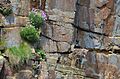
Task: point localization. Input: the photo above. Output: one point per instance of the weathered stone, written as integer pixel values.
(63, 46)
(117, 7)
(48, 45)
(100, 3)
(51, 74)
(113, 59)
(92, 4)
(83, 2)
(102, 58)
(118, 65)
(63, 33)
(21, 21)
(24, 74)
(91, 18)
(109, 25)
(1, 62)
(63, 5)
(9, 20)
(88, 41)
(12, 36)
(104, 13)
(110, 4)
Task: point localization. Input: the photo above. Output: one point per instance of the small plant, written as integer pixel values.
(30, 34)
(19, 54)
(41, 53)
(36, 19)
(6, 11)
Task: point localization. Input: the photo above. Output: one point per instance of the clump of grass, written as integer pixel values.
(19, 54)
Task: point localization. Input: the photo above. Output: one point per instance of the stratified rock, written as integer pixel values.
(48, 45)
(21, 21)
(63, 46)
(113, 59)
(104, 13)
(12, 36)
(51, 74)
(110, 4)
(24, 74)
(100, 3)
(63, 33)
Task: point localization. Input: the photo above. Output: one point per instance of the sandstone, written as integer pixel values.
(97, 19)
(104, 13)
(110, 4)
(109, 25)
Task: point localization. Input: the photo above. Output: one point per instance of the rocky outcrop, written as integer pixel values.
(95, 26)
(57, 35)
(83, 63)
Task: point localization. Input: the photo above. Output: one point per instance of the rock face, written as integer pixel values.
(24, 74)
(58, 32)
(12, 36)
(82, 63)
(93, 25)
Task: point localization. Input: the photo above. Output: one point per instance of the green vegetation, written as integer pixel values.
(36, 19)
(29, 34)
(19, 54)
(6, 11)
(41, 53)
(2, 44)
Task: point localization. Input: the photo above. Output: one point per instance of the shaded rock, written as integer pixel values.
(9, 20)
(12, 36)
(100, 3)
(51, 74)
(48, 45)
(64, 5)
(110, 4)
(113, 59)
(63, 46)
(63, 33)
(24, 74)
(104, 13)
(21, 21)
(109, 25)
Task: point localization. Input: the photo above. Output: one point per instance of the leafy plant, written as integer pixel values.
(29, 34)
(6, 11)
(19, 54)
(41, 53)
(36, 19)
